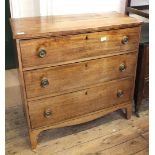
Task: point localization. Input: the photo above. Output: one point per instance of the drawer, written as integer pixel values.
(65, 49)
(67, 78)
(57, 109)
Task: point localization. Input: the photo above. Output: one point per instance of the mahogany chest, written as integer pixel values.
(75, 68)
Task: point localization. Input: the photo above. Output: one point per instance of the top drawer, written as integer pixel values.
(64, 49)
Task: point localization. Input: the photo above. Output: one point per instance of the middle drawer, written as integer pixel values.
(61, 79)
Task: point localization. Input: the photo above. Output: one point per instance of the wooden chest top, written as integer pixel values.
(34, 27)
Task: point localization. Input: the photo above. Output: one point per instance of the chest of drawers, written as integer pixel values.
(75, 68)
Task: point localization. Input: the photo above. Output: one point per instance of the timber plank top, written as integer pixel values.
(45, 26)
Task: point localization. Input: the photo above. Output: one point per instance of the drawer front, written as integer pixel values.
(67, 78)
(60, 50)
(57, 109)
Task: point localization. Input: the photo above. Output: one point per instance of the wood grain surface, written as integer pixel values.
(63, 79)
(32, 27)
(69, 48)
(72, 105)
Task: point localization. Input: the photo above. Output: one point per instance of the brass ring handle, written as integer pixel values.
(47, 113)
(42, 53)
(122, 67)
(125, 40)
(44, 82)
(120, 93)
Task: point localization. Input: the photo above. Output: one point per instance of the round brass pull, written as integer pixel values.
(122, 67)
(42, 53)
(120, 93)
(47, 113)
(44, 82)
(125, 40)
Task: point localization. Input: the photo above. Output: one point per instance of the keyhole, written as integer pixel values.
(86, 65)
(86, 93)
(86, 37)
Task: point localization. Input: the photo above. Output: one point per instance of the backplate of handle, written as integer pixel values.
(120, 93)
(42, 53)
(122, 67)
(44, 82)
(125, 40)
(47, 113)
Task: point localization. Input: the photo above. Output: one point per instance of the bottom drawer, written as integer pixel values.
(48, 111)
